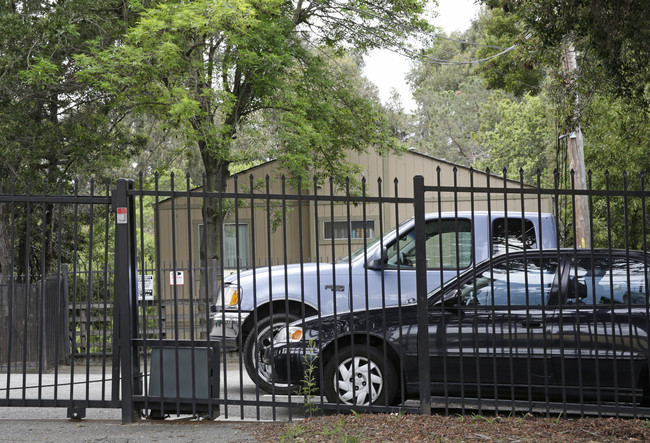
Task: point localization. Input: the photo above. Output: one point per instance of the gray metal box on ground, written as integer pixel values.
(179, 396)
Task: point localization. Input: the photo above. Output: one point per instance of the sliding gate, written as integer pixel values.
(111, 303)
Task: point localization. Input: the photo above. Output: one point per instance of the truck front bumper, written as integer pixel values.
(226, 328)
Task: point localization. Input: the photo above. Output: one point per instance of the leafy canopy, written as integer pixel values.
(214, 67)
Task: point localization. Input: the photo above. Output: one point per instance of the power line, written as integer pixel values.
(470, 62)
(408, 27)
(440, 61)
(411, 54)
(463, 42)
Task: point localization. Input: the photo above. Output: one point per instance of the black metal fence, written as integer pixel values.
(374, 319)
(34, 340)
(469, 293)
(56, 321)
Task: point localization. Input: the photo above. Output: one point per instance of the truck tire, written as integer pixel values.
(254, 348)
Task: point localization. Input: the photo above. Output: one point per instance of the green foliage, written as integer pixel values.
(336, 433)
(309, 386)
(42, 73)
(93, 336)
(292, 433)
(611, 35)
(328, 117)
(519, 71)
(453, 118)
(451, 98)
(478, 417)
(53, 128)
(518, 139)
(617, 154)
(313, 103)
(517, 122)
(211, 69)
(51, 125)
(463, 119)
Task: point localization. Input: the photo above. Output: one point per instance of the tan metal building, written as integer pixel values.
(308, 228)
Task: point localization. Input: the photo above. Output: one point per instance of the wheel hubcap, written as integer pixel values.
(358, 381)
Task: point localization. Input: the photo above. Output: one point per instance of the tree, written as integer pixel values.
(522, 70)
(614, 36)
(213, 67)
(619, 152)
(48, 120)
(450, 119)
(600, 45)
(519, 139)
(454, 103)
(537, 102)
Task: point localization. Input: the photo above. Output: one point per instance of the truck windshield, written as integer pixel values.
(359, 252)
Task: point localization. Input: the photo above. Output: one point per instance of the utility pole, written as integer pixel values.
(575, 144)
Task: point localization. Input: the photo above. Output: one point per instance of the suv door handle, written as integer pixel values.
(531, 324)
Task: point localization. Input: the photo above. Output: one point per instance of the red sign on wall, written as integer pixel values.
(178, 279)
(121, 216)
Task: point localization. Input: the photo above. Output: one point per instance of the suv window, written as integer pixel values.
(513, 233)
(606, 281)
(517, 282)
(448, 245)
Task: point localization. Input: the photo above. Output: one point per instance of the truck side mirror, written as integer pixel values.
(378, 259)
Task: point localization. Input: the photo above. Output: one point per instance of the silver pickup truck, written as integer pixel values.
(252, 305)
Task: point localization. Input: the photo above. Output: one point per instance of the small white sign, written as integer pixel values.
(148, 287)
(179, 279)
(121, 216)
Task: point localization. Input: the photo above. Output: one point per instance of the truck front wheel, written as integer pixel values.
(258, 340)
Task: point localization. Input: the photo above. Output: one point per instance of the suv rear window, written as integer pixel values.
(605, 281)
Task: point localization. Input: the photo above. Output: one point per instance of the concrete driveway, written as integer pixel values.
(235, 422)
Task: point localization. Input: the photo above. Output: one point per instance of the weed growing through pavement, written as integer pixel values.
(477, 417)
(309, 387)
(339, 433)
(292, 433)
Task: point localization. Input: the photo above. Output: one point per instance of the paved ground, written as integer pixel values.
(20, 424)
(30, 425)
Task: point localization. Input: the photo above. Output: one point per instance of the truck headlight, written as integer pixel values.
(230, 295)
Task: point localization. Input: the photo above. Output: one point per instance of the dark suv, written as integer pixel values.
(567, 324)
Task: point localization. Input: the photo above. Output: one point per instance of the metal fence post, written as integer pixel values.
(125, 294)
(422, 303)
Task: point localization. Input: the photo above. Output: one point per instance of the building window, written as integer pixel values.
(231, 234)
(355, 229)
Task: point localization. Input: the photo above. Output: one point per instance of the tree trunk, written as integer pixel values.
(6, 253)
(216, 171)
(575, 145)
